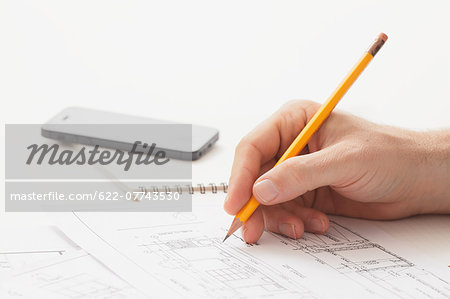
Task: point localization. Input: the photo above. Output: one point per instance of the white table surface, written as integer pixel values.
(226, 64)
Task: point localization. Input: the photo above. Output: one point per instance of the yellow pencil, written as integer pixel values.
(312, 126)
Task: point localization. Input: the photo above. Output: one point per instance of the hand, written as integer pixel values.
(350, 167)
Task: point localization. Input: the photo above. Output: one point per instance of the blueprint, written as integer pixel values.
(11, 260)
(40, 262)
(370, 264)
(22, 247)
(182, 254)
(74, 275)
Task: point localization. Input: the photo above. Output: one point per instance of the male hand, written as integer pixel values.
(350, 167)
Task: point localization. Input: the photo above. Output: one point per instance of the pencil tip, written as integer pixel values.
(234, 227)
(226, 237)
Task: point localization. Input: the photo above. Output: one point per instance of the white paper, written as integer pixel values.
(182, 254)
(25, 246)
(74, 275)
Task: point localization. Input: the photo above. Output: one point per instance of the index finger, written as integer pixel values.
(252, 151)
(258, 147)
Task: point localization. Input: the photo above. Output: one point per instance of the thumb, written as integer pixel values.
(301, 174)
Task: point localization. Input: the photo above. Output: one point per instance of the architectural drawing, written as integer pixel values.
(74, 275)
(346, 251)
(183, 253)
(11, 260)
(217, 270)
(366, 262)
(26, 246)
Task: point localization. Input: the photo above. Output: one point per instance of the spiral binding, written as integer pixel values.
(198, 188)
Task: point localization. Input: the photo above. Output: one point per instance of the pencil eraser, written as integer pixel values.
(383, 37)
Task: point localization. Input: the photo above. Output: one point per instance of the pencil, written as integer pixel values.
(312, 126)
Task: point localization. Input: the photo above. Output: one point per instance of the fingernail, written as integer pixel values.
(226, 198)
(288, 230)
(316, 225)
(243, 230)
(266, 190)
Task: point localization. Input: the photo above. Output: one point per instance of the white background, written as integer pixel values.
(225, 64)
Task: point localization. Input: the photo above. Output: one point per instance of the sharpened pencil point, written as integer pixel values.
(234, 227)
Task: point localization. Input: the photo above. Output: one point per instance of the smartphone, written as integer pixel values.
(202, 137)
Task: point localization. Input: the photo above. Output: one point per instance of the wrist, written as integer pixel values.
(434, 171)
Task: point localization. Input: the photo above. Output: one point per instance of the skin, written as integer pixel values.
(351, 167)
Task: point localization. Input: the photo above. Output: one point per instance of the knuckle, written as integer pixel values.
(297, 111)
(298, 104)
(247, 144)
(290, 104)
(243, 143)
